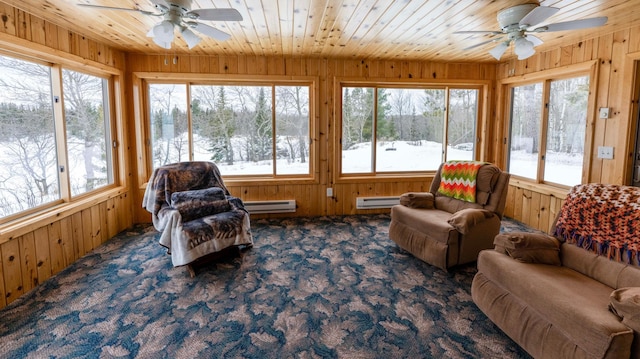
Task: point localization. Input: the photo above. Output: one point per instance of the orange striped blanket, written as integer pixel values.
(458, 179)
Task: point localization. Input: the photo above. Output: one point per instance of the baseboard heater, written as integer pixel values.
(376, 202)
(279, 206)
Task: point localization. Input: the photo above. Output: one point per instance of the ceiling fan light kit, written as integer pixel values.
(516, 24)
(177, 14)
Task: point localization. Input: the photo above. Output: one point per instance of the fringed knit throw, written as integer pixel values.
(604, 219)
(458, 179)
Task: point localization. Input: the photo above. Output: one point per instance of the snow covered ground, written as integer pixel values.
(397, 156)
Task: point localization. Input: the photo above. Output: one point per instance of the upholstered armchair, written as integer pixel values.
(456, 219)
(195, 212)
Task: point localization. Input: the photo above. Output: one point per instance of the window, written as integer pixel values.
(547, 135)
(40, 165)
(169, 128)
(247, 130)
(390, 130)
(86, 112)
(27, 137)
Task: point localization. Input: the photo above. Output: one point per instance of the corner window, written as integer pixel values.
(547, 135)
(394, 130)
(41, 165)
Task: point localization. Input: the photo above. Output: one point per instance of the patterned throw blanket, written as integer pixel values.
(604, 219)
(458, 179)
(195, 212)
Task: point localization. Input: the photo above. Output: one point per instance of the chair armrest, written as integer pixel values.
(465, 219)
(529, 247)
(625, 303)
(417, 200)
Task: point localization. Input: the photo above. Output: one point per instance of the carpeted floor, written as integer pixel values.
(327, 287)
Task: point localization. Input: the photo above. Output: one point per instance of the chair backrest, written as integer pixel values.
(178, 177)
(491, 191)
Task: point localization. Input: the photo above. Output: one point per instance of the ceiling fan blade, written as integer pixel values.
(480, 44)
(120, 8)
(479, 32)
(215, 14)
(534, 39)
(573, 25)
(210, 31)
(538, 15)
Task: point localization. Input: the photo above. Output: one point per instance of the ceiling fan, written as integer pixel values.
(517, 23)
(178, 15)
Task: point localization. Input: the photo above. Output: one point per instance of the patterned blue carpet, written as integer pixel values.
(326, 287)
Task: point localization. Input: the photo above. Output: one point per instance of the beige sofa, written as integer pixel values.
(559, 300)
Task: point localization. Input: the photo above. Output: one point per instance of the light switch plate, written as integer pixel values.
(604, 112)
(605, 152)
(329, 192)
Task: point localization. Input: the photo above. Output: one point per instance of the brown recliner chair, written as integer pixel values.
(445, 231)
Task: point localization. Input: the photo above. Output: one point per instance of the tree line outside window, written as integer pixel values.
(387, 129)
(42, 166)
(245, 129)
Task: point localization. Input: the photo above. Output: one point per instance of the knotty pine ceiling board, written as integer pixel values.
(356, 29)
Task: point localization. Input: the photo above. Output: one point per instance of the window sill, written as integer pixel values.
(555, 191)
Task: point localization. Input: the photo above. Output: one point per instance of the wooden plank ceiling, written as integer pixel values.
(361, 29)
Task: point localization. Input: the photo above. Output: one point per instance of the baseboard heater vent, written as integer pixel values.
(279, 206)
(376, 202)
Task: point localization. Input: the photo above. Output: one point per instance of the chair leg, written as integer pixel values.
(192, 270)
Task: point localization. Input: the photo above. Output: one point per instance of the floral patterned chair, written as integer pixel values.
(195, 212)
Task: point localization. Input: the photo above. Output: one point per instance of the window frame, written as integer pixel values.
(480, 147)
(109, 128)
(67, 201)
(588, 69)
(141, 81)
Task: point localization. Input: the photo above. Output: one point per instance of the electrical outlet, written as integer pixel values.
(329, 192)
(604, 112)
(605, 152)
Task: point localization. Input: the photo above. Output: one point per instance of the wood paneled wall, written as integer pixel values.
(41, 245)
(34, 252)
(311, 198)
(617, 54)
(32, 255)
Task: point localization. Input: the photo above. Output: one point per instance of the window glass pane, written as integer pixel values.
(292, 130)
(357, 122)
(87, 124)
(461, 130)
(525, 130)
(169, 125)
(29, 175)
(232, 126)
(433, 111)
(566, 131)
(409, 129)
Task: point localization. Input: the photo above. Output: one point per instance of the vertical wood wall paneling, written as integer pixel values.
(34, 257)
(28, 261)
(10, 263)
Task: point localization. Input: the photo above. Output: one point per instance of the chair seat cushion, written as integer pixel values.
(432, 222)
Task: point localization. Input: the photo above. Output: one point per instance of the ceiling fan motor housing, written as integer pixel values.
(509, 18)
